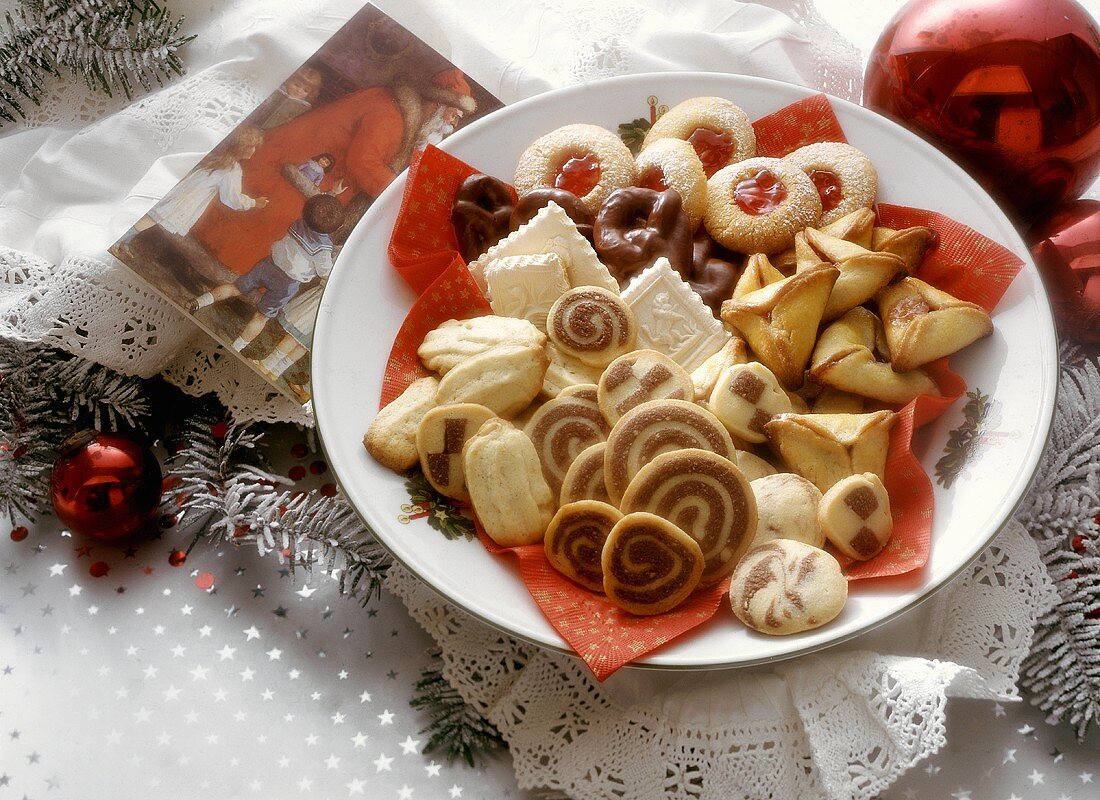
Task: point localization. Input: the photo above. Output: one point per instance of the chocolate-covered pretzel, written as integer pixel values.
(480, 216)
(713, 271)
(635, 226)
(537, 199)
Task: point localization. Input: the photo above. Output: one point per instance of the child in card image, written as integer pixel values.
(294, 98)
(300, 257)
(218, 176)
(317, 167)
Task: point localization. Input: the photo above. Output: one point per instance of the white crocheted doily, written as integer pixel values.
(842, 724)
(76, 174)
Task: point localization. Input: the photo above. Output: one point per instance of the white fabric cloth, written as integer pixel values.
(843, 724)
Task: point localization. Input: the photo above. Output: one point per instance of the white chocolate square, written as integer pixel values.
(526, 286)
(549, 231)
(672, 318)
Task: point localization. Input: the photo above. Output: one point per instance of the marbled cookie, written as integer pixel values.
(786, 586)
(639, 377)
(456, 341)
(656, 427)
(592, 325)
(506, 486)
(439, 440)
(584, 478)
(575, 539)
(855, 516)
(391, 437)
(505, 379)
(706, 496)
(562, 428)
(787, 507)
(649, 565)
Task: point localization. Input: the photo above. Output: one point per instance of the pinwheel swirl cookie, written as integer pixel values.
(575, 540)
(649, 565)
(592, 325)
(561, 428)
(704, 495)
(584, 478)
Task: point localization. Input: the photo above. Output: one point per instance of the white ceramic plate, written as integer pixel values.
(365, 302)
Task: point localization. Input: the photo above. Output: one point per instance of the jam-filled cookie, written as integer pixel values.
(587, 160)
(674, 164)
(845, 178)
(758, 205)
(720, 132)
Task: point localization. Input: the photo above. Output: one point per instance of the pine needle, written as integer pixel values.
(456, 729)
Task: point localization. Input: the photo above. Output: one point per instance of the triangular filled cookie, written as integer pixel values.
(908, 244)
(852, 355)
(780, 321)
(862, 272)
(856, 227)
(757, 274)
(923, 324)
(826, 448)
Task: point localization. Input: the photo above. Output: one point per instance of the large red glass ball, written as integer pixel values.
(1066, 248)
(1008, 88)
(105, 485)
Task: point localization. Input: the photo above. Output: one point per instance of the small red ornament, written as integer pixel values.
(105, 485)
(1009, 88)
(1066, 247)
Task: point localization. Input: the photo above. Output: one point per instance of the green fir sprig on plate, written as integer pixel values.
(962, 441)
(441, 513)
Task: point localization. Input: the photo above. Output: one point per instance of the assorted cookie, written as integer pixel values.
(691, 369)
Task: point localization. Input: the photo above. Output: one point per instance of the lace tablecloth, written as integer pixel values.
(845, 723)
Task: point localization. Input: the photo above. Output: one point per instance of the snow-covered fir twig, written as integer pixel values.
(1062, 673)
(223, 478)
(45, 396)
(111, 44)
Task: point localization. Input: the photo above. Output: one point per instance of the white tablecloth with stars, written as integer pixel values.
(123, 676)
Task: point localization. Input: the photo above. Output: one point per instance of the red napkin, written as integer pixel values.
(423, 251)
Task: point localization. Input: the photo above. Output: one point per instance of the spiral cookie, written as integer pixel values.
(592, 324)
(575, 538)
(758, 205)
(584, 478)
(674, 164)
(586, 160)
(649, 565)
(561, 429)
(439, 440)
(640, 376)
(704, 495)
(719, 131)
(845, 178)
(656, 427)
(786, 586)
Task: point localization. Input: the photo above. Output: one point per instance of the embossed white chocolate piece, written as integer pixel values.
(526, 286)
(550, 231)
(671, 317)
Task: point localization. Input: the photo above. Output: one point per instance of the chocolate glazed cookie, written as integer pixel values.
(636, 226)
(481, 215)
(537, 199)
(714, 271)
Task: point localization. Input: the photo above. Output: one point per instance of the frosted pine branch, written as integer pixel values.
(111, 44)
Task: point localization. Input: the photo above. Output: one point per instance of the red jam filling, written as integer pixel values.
(714, 148)
(760, 194)
(579, 174)
(653, 178)
(828, 186)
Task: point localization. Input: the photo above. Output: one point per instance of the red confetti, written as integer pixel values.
(318, 467)
(297, 473)
(148, 570)
(219, 429)
(177, 558)
(299, 450)
(83, 550)
(99, 569)
(205, 580)
(1078, 543)
(19, 534)
(329, 490)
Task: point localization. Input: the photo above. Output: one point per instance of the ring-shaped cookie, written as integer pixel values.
(674, 164)
(587, 160)
(481, 214)
(758, 205)
(637, 226)
(720, 132)
(845, 178)
(537, 199)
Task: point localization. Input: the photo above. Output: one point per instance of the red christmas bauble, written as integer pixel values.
(1008, 88)
(105, 485)
(1066, 248)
